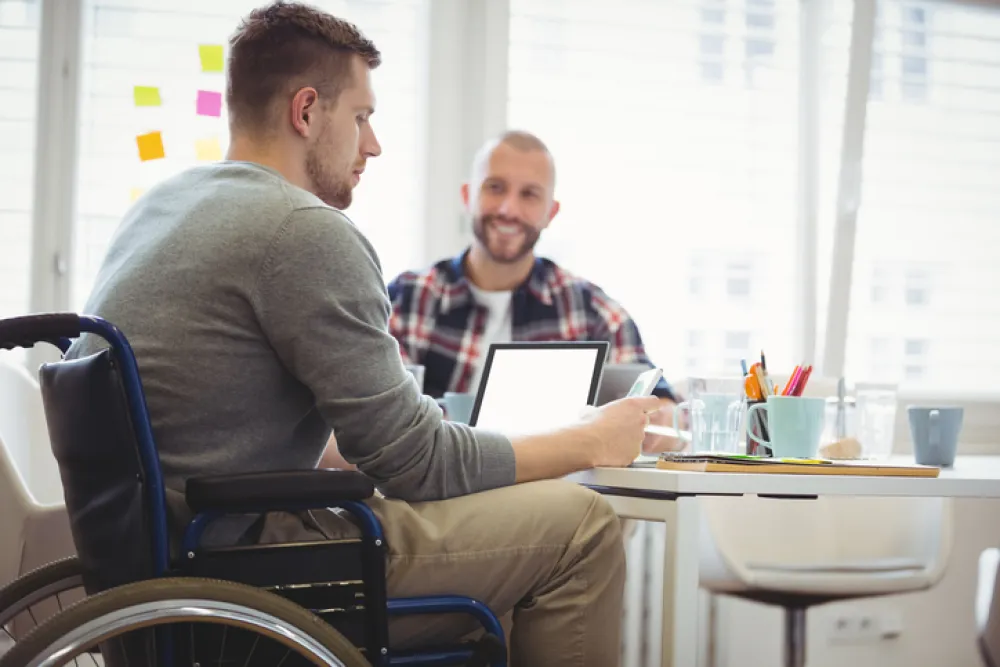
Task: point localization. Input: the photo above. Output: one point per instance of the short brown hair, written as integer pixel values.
(283, 46)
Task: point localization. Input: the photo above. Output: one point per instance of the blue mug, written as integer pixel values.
(935, 434)
(795, 424)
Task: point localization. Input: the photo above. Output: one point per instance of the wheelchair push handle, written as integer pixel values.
(27, 330)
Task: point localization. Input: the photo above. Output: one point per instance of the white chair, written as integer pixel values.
(988, 607)
(34, 528)
(800, 553)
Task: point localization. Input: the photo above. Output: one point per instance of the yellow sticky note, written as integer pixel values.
(146, 96)
(150, 146)
(208, 150)
(211, 57)
(135, 193)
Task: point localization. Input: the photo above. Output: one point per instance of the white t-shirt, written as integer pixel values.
(499, 325)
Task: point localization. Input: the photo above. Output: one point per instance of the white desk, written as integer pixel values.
(672, 497)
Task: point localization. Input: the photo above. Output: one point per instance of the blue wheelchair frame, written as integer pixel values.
(373, 539)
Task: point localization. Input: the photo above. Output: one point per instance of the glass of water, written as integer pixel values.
(715, 410)
(876, 419)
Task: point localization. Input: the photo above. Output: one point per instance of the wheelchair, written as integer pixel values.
(151, 601)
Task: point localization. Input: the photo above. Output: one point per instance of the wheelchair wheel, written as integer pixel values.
(32, 598)
(207, 623)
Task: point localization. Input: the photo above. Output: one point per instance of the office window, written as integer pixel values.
(712, 48)
(739, 278)
(129, 43)
(660, 165)
(915, 348)
(878, 60)
(917, 288)
(880, 285)
(712, 43)
(738, 342)
(759, 41)
(698, 276)
(19, 30)
(930, 199)
(913, 61)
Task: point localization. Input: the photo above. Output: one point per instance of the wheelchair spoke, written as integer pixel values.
(222, 648)
(287, 653)
(252, 649)
(32, 615)
(7, 632)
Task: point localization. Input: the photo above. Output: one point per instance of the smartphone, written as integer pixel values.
(645, 383)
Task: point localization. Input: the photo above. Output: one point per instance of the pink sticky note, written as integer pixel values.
(209, 103)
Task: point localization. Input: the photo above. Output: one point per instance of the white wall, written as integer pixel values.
(938, 627)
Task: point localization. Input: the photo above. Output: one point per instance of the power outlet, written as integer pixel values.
(865, 627)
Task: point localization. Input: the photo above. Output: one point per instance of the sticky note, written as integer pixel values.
(211, 57)
(150, 146)
(209, 103)
(208, 150)
(135, 193)
(146, 96)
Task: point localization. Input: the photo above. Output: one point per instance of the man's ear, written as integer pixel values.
(303, 108)
(553, 210)
(465, 194)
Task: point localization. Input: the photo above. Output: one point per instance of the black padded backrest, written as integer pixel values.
(94, 444)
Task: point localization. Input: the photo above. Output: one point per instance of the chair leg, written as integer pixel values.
(795, 637)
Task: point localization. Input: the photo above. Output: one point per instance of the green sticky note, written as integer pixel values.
(211, 57)
(146, 96)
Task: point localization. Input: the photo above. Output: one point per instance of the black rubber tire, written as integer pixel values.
(57, 577)
(293, 617)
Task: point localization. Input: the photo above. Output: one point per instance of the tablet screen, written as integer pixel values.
(532, 389)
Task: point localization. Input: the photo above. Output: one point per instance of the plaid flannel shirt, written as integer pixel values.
(439, 324)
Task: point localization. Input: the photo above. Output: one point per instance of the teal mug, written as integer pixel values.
(794, 423)
(457, 406)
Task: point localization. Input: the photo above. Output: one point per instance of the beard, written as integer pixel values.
(334, 191)
(496, 251)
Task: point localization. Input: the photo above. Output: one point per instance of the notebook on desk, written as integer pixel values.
(752, 464)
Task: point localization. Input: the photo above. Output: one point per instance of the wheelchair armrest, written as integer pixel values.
(261, 491)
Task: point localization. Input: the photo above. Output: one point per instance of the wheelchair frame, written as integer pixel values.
(60, 328)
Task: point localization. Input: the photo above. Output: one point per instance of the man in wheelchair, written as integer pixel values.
(259, 319)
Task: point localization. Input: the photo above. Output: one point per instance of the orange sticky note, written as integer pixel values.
(211, 57)
(150, 146)
(208, 150)
(135, 193)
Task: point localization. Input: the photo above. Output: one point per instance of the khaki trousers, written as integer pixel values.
(548, 555)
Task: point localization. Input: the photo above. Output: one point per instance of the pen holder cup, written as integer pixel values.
(794, 424)
(757, 426)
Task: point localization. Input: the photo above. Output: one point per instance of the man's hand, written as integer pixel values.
(653, 443)
(617, 429)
